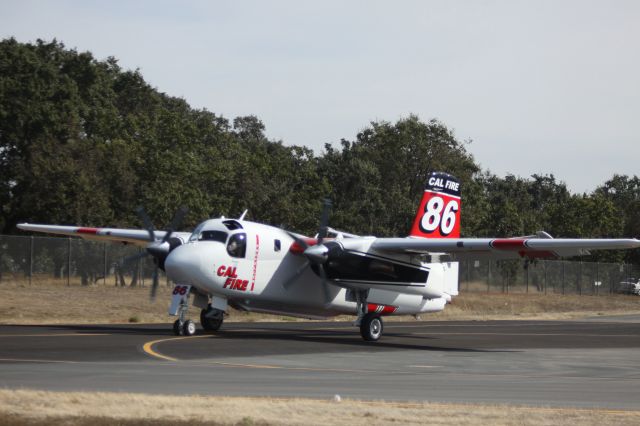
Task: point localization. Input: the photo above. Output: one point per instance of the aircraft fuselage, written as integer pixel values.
(250, 273)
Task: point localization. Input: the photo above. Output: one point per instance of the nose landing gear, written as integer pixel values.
(182, 327)
(180, 306)
(186, 328)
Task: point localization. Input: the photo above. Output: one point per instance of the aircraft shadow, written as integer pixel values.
(337, 339)
(159, 330)
(281, 340)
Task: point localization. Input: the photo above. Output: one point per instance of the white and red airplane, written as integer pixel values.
(255, 267)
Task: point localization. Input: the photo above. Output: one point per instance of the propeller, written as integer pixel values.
(316, 254)
(158, 249)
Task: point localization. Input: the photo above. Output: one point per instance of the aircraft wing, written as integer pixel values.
(501, 248)
(139, 237)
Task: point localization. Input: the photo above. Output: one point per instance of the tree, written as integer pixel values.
(377, 179)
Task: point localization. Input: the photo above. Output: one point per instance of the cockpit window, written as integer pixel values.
(232, 225)
(219, 236)
(237, 245)
(196, 233)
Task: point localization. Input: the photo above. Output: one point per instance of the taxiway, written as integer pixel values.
(551, 363)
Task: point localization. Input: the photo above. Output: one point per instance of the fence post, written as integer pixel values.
(68, 262)
(544, 266)
(611, 281)
(580, 277)
(468, 273)
(562, 277)
(489, 277)
(527, 264)
(104, 279)
(30, 258)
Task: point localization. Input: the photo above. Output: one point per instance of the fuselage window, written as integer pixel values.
(219, 236)
(276, 245)
(237, 245)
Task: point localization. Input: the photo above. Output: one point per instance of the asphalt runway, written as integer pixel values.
(587, 363)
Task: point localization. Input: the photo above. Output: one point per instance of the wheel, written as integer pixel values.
(210, 323)
(189, 328)
(177, 328)
(371, 327)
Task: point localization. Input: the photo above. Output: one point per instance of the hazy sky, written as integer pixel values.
(539, 86)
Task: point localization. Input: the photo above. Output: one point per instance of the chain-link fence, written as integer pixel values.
(547, 277)
(71, 262)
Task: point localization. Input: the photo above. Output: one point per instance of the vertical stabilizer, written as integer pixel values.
(439, 213)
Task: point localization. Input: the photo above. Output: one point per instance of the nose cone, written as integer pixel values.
(183, 265)
(317, 254)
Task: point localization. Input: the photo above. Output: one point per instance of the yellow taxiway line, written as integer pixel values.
(148, 347)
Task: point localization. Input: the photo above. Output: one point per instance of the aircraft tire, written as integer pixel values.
(210, 324)
(371, 327)
(189, 328)
(177, 328)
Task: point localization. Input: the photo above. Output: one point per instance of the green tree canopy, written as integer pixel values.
(84, 142)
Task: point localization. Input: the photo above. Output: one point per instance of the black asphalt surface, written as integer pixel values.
(560, 363)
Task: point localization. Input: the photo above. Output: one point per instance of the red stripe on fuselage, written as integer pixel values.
(381, 309)
(388, 310)
(87, 231)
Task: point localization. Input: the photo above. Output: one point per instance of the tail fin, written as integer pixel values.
(439, 213)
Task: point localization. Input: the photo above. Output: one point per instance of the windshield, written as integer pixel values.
(209, 235)
(219, 236)
(196, 232)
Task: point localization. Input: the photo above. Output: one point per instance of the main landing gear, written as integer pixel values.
(211, 318)
(370, 323)
(371, 327)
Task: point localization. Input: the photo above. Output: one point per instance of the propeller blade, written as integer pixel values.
(176, 222)
(295, 275)
(324, 220)
(325, 284)
(144, 217)
(154, 285)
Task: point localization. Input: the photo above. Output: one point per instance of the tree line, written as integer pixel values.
(83, 141)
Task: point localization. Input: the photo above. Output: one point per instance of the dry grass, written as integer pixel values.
(56, 303)
(26, 407)
(487, 306)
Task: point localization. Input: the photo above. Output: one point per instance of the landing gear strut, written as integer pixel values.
(211, 319)
(182, 327)
(370, 323)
